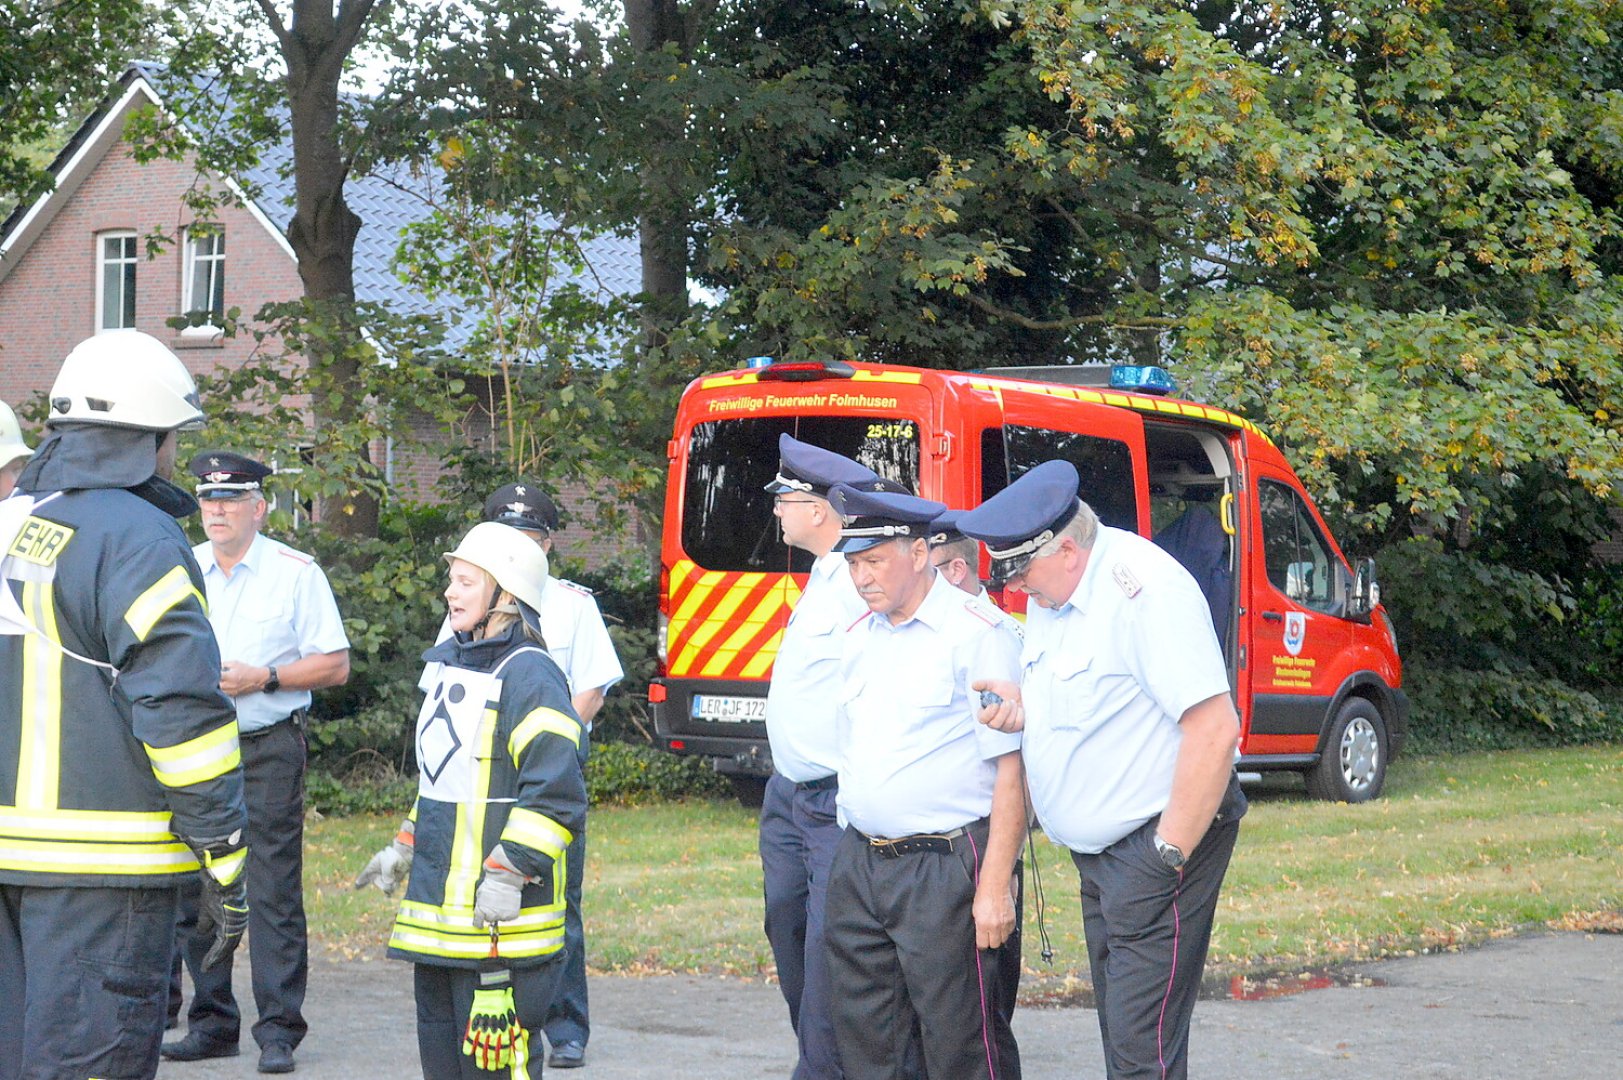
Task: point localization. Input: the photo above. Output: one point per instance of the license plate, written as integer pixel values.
(728, 708)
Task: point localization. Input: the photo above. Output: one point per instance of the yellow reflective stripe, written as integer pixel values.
(51, 824)
(460, 920)
(39, 763)
(542, 720)
(467, 845)
(539, 832)
(227, 868)
(197, 760)
(151, 605)
(418, 941)
(433, 930)
(97, 859)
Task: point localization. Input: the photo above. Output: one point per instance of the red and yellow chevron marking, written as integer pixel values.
(726, 625)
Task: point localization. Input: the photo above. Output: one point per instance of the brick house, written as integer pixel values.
(73, 263)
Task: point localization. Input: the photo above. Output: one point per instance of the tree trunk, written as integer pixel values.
(662, 226)
(323, 230)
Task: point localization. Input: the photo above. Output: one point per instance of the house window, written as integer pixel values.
(115, 300)
(205, 278)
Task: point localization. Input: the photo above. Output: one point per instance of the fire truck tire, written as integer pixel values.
(750, 790)
(1353, 767)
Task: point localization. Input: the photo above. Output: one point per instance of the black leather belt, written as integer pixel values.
(298, 718)
(822, 783)
(896, 847)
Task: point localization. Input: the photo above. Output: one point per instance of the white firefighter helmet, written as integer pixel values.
(516, 562)
(12, 446)
(124, 378)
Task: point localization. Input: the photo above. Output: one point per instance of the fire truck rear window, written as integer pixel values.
(727, 520)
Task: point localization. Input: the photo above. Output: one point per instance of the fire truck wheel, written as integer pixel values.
(750, 790)
(1353, 768)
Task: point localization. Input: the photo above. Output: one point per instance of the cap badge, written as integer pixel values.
(216, 477)
(518, 489)
(214, 461)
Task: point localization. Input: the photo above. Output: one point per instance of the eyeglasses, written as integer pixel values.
(947, 561)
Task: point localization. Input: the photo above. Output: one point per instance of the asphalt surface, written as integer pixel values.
(1540, 1006)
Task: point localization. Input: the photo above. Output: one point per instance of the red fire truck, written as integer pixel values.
(1312, 655)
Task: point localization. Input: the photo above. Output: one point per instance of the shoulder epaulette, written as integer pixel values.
(864, 617)
(583, 590)
(1124, 578)
(973, 606)
(297, 556)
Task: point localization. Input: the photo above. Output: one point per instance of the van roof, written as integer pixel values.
(1030, 380)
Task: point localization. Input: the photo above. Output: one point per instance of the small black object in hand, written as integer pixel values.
(989, 699)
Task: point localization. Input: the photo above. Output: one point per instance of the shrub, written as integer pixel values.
(630, 774)
(1456, 710)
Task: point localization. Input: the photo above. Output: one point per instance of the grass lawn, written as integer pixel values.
(1459, 849)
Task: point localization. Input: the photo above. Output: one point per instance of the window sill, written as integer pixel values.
(199, 337)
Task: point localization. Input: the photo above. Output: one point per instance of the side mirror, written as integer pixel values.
(1366, 591)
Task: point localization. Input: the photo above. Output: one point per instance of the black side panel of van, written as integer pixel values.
(1288, 714)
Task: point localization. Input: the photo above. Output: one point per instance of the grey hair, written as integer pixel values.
(1083, 528)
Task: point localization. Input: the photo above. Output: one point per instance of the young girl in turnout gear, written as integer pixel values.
(500, 796)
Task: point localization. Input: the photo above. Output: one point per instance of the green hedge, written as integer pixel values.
(1457, 710)
(619, 773)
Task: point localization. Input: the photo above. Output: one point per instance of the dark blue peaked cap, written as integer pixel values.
(872, 517)
(944, 529)
(804, 467)
(1024, 516)
(222, 474)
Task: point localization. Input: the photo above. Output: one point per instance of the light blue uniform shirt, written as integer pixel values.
(806, 673)
(913, 758)
(274, 607)
(1107, 677)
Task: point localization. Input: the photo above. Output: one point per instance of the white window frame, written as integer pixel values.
(189, 278)
(102, 263)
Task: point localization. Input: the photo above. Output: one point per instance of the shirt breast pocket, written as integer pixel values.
(1073, 690)
(270, 628)
(820, 639)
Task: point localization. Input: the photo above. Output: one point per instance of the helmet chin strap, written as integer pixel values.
(509, 608)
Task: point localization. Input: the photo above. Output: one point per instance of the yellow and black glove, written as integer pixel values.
(223, 913)
(494, 1038)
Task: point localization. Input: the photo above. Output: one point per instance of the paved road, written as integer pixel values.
(1542, 1006)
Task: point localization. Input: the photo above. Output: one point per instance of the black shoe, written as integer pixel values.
(194, 1047)
(567, 1055)
(276, 1058)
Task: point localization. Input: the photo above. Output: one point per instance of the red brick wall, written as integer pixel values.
(48, 301)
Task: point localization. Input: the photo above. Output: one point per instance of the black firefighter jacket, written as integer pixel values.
(106, 770)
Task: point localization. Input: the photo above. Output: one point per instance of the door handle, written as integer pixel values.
(1272, 616)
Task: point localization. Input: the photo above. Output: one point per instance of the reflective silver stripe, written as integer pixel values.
(47, 824)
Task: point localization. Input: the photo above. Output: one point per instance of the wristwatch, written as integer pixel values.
(1171, 854)
(273, 682)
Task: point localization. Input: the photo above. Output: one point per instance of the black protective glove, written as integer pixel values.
(223, 912)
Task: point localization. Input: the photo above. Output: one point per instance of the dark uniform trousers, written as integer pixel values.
(799, 833)
(1148, 927)
(568, 1019)
(278, 949)
(906, 975)
(444, 998)
(62, 949)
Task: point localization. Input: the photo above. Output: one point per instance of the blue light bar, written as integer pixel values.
(1141, 379)
(758, 362)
